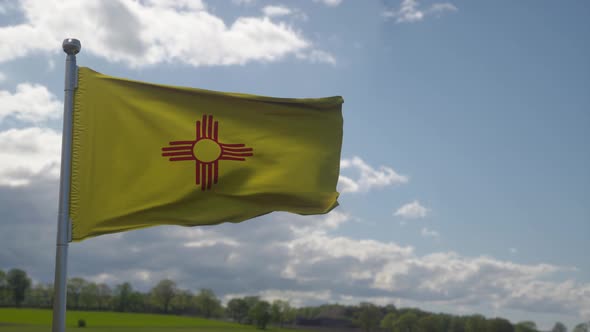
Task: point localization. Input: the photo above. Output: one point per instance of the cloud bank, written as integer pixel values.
(151, 32)
(302, 259)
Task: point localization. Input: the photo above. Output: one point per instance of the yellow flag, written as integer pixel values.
(146, 154)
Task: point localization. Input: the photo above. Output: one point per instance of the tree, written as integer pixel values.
(163, 293)
(237, 309)
(407, 322)
(583, 327)
(251, 301)
(4, 291)
(559, 327)
(280, 311)
(430, 323)
(290, 315)
(308, 312)
(443, 322)
(104, 295)
(475, 323)
(390, 308)
(40, 296)
(388, 322)
(499, 325)
(207, 303)
(183, 302)
(368, 316)
(526, 326)
(75, 286)
(457, 324)
(138, 302)
(259, 314)
(89, 296)
(18, 284)
(122, 299)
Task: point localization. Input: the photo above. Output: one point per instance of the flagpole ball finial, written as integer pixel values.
(71, 46)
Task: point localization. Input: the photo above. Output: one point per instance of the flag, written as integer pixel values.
(146, 154)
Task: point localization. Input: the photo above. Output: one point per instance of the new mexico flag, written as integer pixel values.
(146, 154)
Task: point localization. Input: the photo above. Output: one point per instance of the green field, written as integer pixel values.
(37, 320)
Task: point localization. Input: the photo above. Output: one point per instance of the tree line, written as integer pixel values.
(17, 290)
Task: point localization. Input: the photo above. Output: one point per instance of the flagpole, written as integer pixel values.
(71, 47)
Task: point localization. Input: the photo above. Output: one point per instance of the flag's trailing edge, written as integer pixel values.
(147, 154)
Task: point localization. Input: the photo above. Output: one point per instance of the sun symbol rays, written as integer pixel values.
(206, 151)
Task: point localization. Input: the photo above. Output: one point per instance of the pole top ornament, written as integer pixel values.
(71, 46)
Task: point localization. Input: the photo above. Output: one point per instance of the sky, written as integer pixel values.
(465, 182)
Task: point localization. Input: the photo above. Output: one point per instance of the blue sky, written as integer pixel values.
(465, 182)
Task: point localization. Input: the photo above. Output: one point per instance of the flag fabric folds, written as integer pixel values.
(146, 154)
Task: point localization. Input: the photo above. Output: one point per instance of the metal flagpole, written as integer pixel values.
(71, 47)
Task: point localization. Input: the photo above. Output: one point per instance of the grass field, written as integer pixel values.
(37, 320)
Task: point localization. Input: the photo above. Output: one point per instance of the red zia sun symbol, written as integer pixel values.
(206, 151)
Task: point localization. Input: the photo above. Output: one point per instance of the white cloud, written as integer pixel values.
(409, 11)
(32, 152)
(280, 11)
(146, 33)
(243, 2)
(413, 210)
(29, 153)
(426, 232)
(330, 3)
(30, 103)
(2, 77)
(438, 8)
(368, 178)
(211, 243)
(178, 4)
(333, 220)
(271, 11)
(296, 298)
(317, 56)
(546, 296)
(50, 65)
